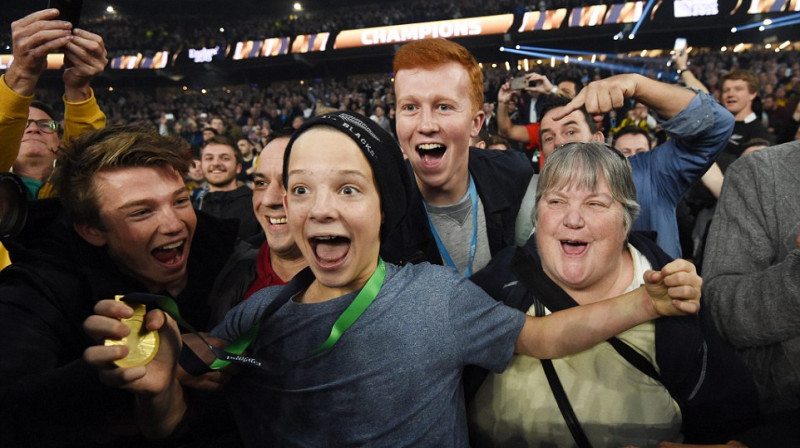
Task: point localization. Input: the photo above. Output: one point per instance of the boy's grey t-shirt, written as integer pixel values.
(394, 377)
(454, 226)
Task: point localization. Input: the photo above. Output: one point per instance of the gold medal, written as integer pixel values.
(142, 344)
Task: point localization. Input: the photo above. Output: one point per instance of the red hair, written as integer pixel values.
(430, 53)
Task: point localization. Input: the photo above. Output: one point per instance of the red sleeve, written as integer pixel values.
(533, 135)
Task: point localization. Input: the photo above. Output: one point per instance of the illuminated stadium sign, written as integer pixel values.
(543, 20)
(695, 8)
(54, 61)
(475, 26)
(624, 12)
(250, 49)
(137, 61)
(310, 42)
(765, 6)
(204, 54)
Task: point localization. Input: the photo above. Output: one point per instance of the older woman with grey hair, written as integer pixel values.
(666, 380)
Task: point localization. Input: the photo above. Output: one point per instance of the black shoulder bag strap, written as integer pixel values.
(560, 395)
(530, 273)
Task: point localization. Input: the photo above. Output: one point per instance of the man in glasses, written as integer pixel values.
(29, 133)
(28, 129)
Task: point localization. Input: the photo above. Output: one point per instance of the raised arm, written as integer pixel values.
(673, 291)
(84, 58)
(505, 127)
(608, 94)
(686, 75)
(34, 37)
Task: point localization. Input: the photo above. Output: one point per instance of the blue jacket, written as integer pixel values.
(716, 394)
(664, 175)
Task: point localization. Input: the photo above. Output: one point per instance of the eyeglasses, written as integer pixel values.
(46, 126)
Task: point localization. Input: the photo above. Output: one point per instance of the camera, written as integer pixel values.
(519, 83)
(13, 205)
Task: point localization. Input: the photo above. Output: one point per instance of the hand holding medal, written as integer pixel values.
(142, 344)
(138, 348)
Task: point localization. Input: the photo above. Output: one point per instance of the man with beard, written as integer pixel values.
(224, 198)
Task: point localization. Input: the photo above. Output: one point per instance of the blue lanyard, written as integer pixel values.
(473, 194)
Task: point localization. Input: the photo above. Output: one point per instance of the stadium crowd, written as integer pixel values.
(124, 33)
(495, 263)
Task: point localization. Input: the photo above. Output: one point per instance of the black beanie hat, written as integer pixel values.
(383, 154)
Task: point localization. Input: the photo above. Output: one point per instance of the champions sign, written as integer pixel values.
(54, 61)
(474, 26)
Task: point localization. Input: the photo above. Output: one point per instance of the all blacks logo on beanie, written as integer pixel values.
(383, 154)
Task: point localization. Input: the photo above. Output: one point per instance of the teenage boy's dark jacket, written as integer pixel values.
(716, 394)
(48, 395)
(501, 178)
(235, 204)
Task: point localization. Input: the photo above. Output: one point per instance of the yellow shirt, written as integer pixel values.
(78, 117)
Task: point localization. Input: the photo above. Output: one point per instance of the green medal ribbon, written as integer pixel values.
(357, 307)
(233, 352)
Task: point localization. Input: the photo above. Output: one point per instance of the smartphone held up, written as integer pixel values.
(69, 10)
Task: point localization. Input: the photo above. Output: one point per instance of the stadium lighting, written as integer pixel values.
(561, 55)
(110, 9)
(647, 8)
(787, 20)
(297, 6)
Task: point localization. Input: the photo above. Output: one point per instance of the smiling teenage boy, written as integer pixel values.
(126, 225)
(465, 200)
(390, 376)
